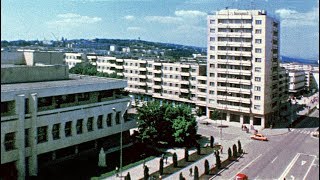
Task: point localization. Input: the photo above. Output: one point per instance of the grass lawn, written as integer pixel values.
(182, 163)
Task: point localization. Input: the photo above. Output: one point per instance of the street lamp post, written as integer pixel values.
(121, 129)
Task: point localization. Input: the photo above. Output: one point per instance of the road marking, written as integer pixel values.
(274, 159)
(285, 172)
(303, 162)
(246, 166)
(309, 169)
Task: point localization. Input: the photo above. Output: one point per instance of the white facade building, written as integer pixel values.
(242, 66)
(45, 122)
(297, 81)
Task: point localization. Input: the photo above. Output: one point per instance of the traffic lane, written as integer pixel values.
(255, 152)
(280, 147)
(313, 173)
(274, 159)
(299, 168)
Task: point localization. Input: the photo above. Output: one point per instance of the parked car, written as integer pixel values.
(259, 137)
(241, 176)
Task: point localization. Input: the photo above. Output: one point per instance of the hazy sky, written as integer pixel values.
(173, 21)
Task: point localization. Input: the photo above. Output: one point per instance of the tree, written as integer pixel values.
(148, 116)
(215, 114)
(235, 153)
(229, 154)
(196, 173)
(146, 173)
(218, 161)
(176, 123)
(175, 160)
(198, 149)
(211, 141)
(186, 154)
(128, 177)
(239, 147)
(161, 166)
(181, 176)
(84, 68)
(206, 167)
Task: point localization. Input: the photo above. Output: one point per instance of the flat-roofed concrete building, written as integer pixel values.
(242, 66)
(71, 59)
(311, 75)
(49, 119)
(297, 82)
(183, 81)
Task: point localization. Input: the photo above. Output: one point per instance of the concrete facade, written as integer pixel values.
(242, 63)
(46, 122)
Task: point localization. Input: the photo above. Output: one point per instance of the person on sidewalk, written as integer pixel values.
(117, 171)
(190, 170)
(221, 149)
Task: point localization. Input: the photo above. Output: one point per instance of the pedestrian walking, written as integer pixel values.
(221, 149)
(166, 159)
(117, 171)
(190, 170)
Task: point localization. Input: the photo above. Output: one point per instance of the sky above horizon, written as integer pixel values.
(168, 21)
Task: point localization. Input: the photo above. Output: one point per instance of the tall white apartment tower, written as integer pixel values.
(242, 66)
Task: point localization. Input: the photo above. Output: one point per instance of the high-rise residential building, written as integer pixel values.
(242, 66)
(48, 116)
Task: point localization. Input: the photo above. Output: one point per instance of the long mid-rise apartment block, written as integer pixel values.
(242, 66)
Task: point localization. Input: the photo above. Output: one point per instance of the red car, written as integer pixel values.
(259, 137)
(241, 176)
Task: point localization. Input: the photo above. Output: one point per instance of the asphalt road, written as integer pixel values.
(294, 155)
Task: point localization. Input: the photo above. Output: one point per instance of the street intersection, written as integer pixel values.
(287, 155)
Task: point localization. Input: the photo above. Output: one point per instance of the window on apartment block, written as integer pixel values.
(26, 137)
(258, 79)
(90, 124)
(257, 107)
(211, 92)
(211, 74)
(9, 141)
(257, 88)
(42, 134)
(212, 21)
(258, 41)
(257, 98)
(212, 66)
(67, 129)
(99, 122)
(258, 50)
(212, 48)
(211, 101)
(109, 119)
(212, 30)
(258, 21)
(257, 69)
(258, 60)
(118, 118)
(212, 84)
(212, 56)
(258, 31)
(79, 126)
(56, 131)
(212, 39)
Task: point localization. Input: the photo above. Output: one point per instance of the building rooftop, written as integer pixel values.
(75, 84)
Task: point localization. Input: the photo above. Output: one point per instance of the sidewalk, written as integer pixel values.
(153, 165)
